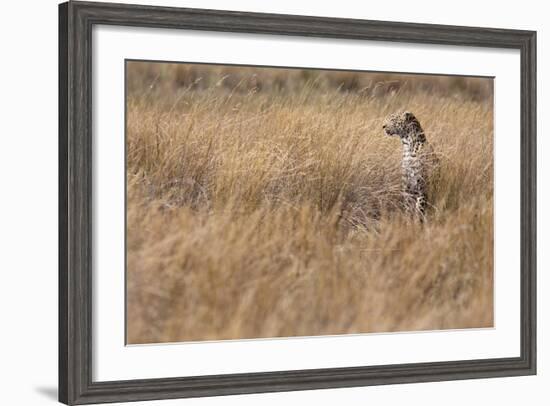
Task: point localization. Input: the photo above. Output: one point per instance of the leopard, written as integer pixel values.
(419, 161)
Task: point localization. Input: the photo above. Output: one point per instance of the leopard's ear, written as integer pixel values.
(409, 115)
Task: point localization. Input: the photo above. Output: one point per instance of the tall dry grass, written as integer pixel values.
(266, 203)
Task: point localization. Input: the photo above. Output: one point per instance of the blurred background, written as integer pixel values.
(167, 77)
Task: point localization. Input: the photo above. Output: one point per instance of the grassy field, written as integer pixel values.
(266, 203)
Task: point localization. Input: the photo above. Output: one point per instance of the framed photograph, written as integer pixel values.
(257, 202)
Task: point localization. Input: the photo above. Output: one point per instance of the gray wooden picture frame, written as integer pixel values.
(76, 20)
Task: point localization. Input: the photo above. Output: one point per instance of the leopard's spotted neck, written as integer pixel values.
(412, 144)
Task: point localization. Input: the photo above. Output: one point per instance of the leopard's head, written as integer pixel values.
(402, 125)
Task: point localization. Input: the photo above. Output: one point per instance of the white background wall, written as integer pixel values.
(28, 203)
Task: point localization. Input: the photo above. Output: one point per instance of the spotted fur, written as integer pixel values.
(418, 160)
